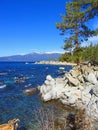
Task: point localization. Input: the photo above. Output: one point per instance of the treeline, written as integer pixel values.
(83, 54)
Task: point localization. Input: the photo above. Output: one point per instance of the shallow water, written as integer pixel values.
(13, 102)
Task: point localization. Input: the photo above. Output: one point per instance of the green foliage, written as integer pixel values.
(82, 54)
(67, 45)
(91, 8)
(73, 24)
(65, 57)
(90, 53)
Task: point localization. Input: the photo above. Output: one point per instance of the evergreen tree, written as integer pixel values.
(73, 22)
(91, 6)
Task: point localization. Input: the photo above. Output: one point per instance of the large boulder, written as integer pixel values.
(95, 89)
(11, 125)
(72, 80)
(91, 78)
(75, 73)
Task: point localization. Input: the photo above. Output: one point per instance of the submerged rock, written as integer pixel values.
(31, 91)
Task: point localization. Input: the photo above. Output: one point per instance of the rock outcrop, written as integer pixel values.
(11, 125)
(78, 89)
(30, 91)
(55, 63)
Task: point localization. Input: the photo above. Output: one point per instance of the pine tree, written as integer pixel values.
(91, 6)
(73, 22)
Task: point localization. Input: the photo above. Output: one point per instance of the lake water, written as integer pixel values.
(13, 102)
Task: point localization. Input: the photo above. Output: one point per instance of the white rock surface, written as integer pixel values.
(72, 80)
(91, 78)
(49, 78)
(73, 90)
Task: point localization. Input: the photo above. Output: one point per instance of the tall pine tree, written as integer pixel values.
(73, 22)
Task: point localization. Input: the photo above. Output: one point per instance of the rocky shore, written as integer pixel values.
(77, 89)
(55, 63)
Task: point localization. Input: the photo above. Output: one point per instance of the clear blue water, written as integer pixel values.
(13, 102)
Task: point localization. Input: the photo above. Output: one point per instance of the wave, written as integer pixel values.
(2, 86)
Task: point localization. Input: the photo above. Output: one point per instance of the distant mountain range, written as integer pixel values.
(32, 57)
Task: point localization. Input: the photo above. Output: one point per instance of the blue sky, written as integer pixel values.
(30, 25)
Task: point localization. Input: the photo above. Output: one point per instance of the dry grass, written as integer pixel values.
(50, 119)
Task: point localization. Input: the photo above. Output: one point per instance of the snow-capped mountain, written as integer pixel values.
(32, 57)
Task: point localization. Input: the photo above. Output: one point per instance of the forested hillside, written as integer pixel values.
(82, 54)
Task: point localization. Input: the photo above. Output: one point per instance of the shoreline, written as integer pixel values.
(78, 90)
(55, 63)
